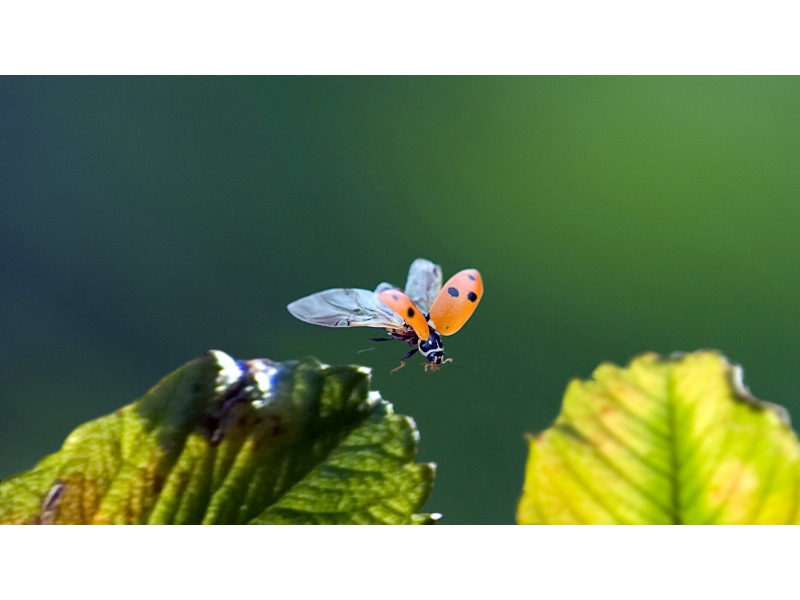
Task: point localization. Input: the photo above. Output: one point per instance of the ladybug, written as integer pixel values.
(420, 315)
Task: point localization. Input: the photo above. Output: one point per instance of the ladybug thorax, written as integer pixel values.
(432, 348)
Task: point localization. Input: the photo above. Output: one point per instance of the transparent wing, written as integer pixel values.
(424, 283)
(345, 307)
(383, 286)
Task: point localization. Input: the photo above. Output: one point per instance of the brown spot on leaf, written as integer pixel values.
(276, 426)
(158, 482)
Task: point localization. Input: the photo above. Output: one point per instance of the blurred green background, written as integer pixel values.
(146, 220)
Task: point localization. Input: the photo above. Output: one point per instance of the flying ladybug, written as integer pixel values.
(420, 315)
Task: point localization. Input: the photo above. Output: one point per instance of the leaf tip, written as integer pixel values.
(742, 392)
(374, 398)
(229, 370)
(735, 375)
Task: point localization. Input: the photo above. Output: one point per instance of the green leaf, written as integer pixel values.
(223, 441)
(665, 440)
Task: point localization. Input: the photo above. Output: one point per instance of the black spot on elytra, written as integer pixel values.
(453, 292)
(471, 277)
(472, 296)
(411, 312)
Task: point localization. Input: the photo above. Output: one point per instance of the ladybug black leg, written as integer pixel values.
(404, 359)
(381, 339)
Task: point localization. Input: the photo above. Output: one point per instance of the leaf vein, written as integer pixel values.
(590, 492)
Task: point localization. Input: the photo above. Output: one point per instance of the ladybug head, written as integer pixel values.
(432, 348)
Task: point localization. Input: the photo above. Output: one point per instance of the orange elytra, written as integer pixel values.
(456, 301)
(407, 310)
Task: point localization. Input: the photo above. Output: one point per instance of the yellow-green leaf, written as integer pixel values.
(675, 439)
(226, 441)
